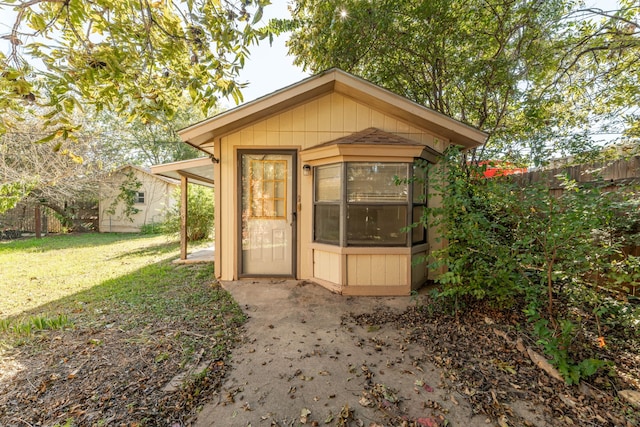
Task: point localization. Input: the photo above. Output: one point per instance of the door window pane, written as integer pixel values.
(376, 182)
(268, 187)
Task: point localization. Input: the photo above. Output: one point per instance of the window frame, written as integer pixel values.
(140, 198)
(409, 204)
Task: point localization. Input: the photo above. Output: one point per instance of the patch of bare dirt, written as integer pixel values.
(102, 377)
(110, 375)
(483, 356)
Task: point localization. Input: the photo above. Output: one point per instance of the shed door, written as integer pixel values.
(268, 213)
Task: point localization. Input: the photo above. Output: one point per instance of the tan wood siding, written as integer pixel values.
(418, 270)
(377, 270)
(324, 119)
(327, 266)
(318, 121)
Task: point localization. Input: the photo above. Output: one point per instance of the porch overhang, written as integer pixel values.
(199, 171)
(196, 171)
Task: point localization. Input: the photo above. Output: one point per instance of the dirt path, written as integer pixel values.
(300, 363)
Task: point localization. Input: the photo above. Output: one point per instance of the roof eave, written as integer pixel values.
(206, 131)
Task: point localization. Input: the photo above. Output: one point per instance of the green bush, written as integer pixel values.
(151, 228)
(509, 243)
(200, 218)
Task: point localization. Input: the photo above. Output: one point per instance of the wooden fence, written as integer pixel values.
(610, 175)
(619, 175)
(28, 217)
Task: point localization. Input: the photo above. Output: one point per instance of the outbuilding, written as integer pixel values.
(309, 184)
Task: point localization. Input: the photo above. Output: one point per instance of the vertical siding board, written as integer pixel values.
(324, 114)
(377, 120)
(286, 121)
(337, 113)
(392, 272)
(363, 269)
(363, 117)
(298, 138)
(286, 139)
(298, 119)
(261, 125)
(350, 116)
(405, 269)
(259, 138)
(273, 138)
(246, 137)
(402, 127)
(390, 124)
(311, 116)
(378, 270)
(351, 270)
(273, 123)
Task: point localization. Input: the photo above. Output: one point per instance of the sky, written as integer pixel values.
(269, 68)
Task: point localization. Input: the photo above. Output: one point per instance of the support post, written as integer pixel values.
(38, 220)
(184, 212)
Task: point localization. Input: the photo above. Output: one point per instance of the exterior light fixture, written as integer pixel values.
(306, 170)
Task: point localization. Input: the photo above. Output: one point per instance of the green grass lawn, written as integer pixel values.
(35, 272)
(76, 309)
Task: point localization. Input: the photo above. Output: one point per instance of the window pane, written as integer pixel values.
(376, 225)
(419, 185)
(328, 183)
(375, 182)
(327, 224)
(418, 234)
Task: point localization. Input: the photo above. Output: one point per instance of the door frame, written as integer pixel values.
(294, 210)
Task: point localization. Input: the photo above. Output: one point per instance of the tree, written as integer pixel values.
(134, 57)
(472, 60)
(48, 175)
(146, 144)
(599, 66)
(200, 221)
(541, 77)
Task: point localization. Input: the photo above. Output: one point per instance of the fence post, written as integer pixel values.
(38, 221)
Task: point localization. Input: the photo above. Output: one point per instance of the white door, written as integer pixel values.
(268, 214)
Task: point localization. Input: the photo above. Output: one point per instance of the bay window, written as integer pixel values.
(368, 204)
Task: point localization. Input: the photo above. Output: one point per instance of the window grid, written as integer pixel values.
(370, 206)
(268, 189)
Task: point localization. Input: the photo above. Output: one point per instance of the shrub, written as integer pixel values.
(507, 243)
(200, 220)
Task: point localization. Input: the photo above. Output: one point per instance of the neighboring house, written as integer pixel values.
(305, 184)
(151, 199)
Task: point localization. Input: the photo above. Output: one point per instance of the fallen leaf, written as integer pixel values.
(329, 418)
(427, 422)
(304, 414)
(366, 402)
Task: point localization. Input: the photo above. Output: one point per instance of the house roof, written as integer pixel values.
(147, 171)
(371, 138)
(199, 171)
(202, 134)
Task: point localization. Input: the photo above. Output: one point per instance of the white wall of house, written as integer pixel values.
(157, 196)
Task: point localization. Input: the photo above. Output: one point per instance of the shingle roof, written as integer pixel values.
(370, 136)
